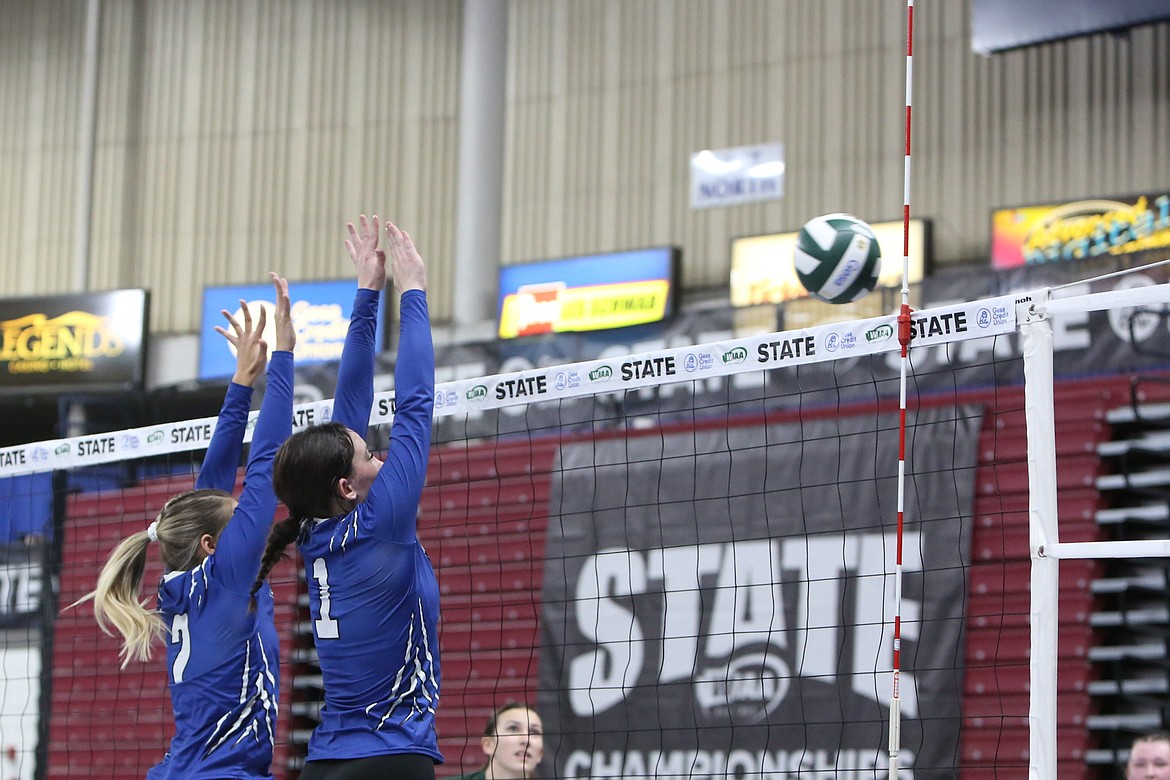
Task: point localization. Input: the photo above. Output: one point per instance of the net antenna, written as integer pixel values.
(904, 334)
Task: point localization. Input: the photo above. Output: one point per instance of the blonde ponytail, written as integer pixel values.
(116, 600)
(178, 529)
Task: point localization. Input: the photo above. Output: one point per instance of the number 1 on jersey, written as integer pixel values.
(325, 626)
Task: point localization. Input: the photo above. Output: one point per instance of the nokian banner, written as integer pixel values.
(718, 603)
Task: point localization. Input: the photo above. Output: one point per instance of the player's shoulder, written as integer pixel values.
(333, 534)
(182, 579)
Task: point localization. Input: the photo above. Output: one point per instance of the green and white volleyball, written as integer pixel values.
(837, 258)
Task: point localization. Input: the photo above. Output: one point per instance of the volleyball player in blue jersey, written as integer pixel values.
(373, 594)
(222, 662)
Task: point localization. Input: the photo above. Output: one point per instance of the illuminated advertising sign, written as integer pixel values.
(320, 313)
(90, 340)
(1057, 233)
(763, 271)
(595, 292)
(743, 174)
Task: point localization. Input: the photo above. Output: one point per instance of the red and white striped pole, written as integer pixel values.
(904, 334)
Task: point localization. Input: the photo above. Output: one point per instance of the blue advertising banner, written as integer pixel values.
(320, 312)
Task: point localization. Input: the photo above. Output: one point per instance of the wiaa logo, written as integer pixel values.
(601, 374)
(477, 393)
(734, 356)
(747, 690)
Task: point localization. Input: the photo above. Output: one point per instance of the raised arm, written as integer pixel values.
(238, 550)
(227, 441)
(395, 494)
(354, 398)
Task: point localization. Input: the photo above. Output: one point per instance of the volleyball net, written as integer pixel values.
(684, 559)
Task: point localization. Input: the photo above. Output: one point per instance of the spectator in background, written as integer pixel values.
(513, 741)
(1149, 758)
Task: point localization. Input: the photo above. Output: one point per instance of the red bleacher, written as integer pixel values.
(483, 522)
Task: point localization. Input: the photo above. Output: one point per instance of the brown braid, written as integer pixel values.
(305, 471)
(279, 538)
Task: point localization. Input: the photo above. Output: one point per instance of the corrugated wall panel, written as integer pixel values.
(234, 137)
(38, 162)
(645, 85)
(825, 77)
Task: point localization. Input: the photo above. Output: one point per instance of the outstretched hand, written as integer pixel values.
(286, 334)
(369, 260)
(405, 263)
(251, 351)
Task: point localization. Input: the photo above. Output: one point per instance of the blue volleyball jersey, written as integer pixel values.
(373, 595)
(222, 657)
(222, 459)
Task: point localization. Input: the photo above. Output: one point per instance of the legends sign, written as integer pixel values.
(95, 340)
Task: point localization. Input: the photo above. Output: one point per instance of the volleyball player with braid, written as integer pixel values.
(373, 594)
(222, 661)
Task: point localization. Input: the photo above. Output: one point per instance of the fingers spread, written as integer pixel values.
(247, 314)
(232, 320)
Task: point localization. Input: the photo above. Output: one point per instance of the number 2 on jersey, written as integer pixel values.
(180, 635)
(325, 626)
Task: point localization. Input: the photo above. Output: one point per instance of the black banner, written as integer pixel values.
(718, 603)
(88, 342)
(25, 586)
